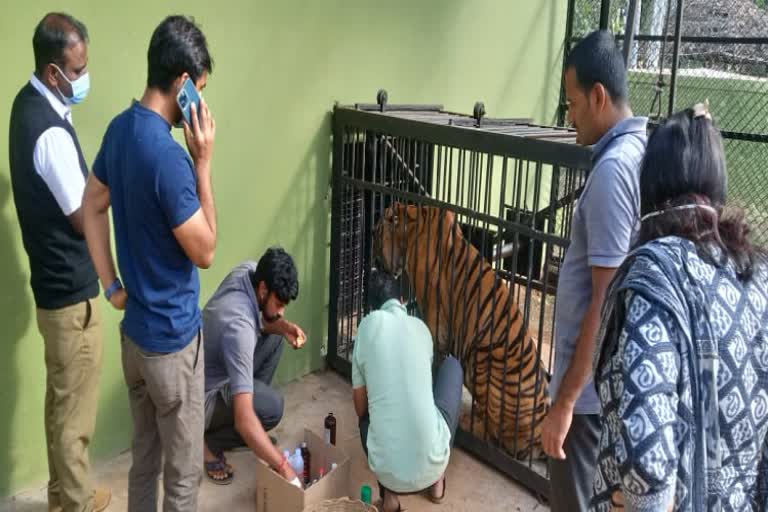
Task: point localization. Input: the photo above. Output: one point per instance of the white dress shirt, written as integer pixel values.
(55, 157)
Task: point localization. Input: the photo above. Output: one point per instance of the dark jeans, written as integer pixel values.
(571, 479)
(447, 391)
(220, 433)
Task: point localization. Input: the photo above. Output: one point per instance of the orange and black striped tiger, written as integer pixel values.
(472, 314)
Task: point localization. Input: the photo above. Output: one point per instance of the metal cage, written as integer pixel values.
(511, 188)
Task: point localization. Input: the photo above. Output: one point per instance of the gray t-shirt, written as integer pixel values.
(231, 328)
(605, 223)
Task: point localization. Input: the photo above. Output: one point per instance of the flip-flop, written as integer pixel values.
(223, 459)
(219, 465)
(437, 499)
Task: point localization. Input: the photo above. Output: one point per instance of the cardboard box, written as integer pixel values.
(275, 494)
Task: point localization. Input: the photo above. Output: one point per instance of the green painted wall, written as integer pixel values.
(280, 66)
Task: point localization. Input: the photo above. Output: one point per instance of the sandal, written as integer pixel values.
(219, 466)
(437, 499)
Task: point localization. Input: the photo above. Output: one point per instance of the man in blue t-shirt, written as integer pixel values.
(165, 227)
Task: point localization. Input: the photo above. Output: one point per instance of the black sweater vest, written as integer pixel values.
(62, 271)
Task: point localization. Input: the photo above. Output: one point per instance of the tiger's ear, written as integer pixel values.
(412, 212)
(391, 214)
(450, 220)
(399, 212)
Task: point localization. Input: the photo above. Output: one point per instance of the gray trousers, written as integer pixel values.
(571, 480)
(220, 433)
(166, 397)
(447, 385)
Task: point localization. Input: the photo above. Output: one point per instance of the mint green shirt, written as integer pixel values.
(408, 438)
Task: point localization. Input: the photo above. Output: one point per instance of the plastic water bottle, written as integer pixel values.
(297, 463)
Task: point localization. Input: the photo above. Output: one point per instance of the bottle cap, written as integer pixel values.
(304, 444)
(365, 494)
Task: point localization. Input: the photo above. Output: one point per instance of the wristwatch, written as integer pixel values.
(116, 285)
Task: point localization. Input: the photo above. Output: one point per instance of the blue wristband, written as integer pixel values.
(116, 285)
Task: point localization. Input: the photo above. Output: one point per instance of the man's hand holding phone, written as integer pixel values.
(201, 135)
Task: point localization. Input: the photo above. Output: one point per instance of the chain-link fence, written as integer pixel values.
(722, 57)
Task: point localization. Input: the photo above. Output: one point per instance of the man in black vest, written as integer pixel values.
(48, 174)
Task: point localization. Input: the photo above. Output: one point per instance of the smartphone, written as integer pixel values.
(186, 97)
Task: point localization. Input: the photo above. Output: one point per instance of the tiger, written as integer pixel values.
(475, 318)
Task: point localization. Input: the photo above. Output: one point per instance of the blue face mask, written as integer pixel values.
(80, 88)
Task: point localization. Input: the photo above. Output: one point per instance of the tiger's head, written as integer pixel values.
(389, 244)
(399, 229)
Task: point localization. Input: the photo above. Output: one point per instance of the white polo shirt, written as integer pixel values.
(55, 156)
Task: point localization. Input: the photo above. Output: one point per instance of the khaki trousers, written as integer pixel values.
(73, 358)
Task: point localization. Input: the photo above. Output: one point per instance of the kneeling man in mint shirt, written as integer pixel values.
(407, 418)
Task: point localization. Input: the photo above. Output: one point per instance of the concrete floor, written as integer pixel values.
(472, 485)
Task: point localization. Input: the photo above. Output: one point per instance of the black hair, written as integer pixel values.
(597, 59)
(382, 286)
(684, 164)
(55, 33)
(278, 272)
(177, 46)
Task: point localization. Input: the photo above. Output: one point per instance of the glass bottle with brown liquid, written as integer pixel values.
(330, 429)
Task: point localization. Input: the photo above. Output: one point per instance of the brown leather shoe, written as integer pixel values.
(54, 503)
(101, 499)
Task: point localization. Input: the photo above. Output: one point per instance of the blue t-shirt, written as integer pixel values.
(153, 189)
(605, 222)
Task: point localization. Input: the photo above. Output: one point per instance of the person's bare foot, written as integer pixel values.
(390, 503)
(209, 456)
(437, 491)
(216, 467)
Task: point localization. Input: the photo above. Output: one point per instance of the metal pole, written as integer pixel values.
(675, 55)
(561, 106)
(605, 14)
(332, 355)
(629, 32)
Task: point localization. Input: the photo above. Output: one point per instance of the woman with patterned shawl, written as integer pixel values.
(681, 367)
